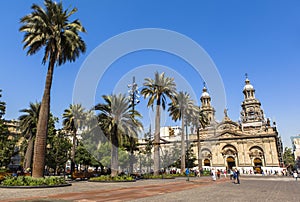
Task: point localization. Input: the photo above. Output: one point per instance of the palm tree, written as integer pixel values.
(158, 90)
(199, 120)
(179, 111)
(50, 29)
(28, 124)
(116, 119)
(74, 118)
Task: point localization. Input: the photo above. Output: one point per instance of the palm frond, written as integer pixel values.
(50, 29)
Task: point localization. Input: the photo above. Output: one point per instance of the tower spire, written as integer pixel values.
(251, 107)
(206, 107)
(249, 90)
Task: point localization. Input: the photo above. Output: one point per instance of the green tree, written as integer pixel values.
(145, 154)
(28, 124)
(92, 137)
(7, 140)
(166, 159)
(58, 148)
(179, 111)
(74, 118)
(51, 131)
(104, 154)
(124, 158)
(190, 157)
(50, 29)
(288, 158)
(117, 119)
(130, 145)
(158, 89)
(7, 145)
(83, 157)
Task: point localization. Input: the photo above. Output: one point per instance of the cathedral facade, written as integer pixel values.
(251, 144)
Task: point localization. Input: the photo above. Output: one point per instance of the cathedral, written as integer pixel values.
(252, 144)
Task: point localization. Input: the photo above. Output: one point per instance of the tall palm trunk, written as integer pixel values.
(42, 127)
(73, 151)
(29, 153)
(182, 144)
(114, 152)
(157, 141)
(131, 155)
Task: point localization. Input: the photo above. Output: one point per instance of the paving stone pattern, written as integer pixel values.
(197, 189)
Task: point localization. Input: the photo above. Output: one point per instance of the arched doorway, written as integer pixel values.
(206, 162)
(256, 155)
(257, 165)
(230, 155)
(206, 156)
(230, 162)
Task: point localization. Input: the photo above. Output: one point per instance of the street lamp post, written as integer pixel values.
(133, 98)
(187, 145)
(133, 93)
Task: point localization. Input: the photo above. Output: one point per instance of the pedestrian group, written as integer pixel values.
(234, 175)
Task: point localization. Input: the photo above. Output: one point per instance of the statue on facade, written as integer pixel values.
(225, 112)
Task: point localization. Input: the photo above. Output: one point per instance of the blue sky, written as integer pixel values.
(261, 38)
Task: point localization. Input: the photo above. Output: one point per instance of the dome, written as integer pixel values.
(205, 93)
(248, 86)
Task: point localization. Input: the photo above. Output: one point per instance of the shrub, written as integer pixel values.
(164, 176)
(206, 173)
(106, 178)
(29, 181)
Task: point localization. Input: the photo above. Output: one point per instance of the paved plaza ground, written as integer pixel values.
(252, 188)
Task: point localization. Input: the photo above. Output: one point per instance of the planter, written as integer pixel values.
(34, 187)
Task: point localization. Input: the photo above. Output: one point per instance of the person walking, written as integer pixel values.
(213, 174)
(295, 174)
(218, 173)
(237, 176)
(187, 172)
(230, 173)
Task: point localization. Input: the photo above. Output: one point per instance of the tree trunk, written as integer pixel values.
(29, 153)
(131, 155)
(182, 167)
(42, 126)
(114, 153)
(73, 152)
(157, 141)
(131, 159)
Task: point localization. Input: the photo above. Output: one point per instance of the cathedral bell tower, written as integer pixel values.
(251, 115)
(206, 107)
